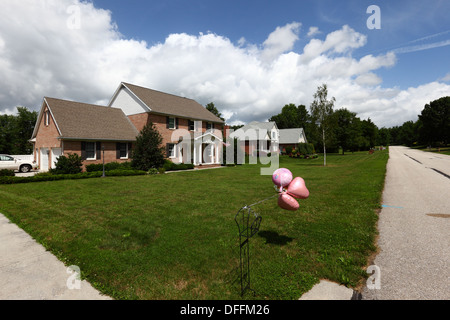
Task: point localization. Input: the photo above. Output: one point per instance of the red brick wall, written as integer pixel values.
(47, 137)
(160, 122)
(74, 147)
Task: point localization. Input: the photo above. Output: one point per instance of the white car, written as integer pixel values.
(11, 163)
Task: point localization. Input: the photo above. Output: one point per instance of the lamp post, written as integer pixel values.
(103, 157)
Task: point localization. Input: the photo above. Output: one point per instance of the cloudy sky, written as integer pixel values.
(248, 57)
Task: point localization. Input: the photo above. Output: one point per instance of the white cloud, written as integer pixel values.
(40, 56)
(313, 31)
(446, 78)
(280, 41)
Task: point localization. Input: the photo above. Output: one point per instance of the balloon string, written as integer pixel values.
(252, 205)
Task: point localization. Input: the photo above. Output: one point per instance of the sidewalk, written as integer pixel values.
(29, 272)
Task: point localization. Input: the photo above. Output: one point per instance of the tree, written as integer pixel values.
(435, 121)
(25, 123)
(148, 152)
(369, 132)
(16, 131)
(347, 130)
(211, 108)
(291, 117)
(321, 112)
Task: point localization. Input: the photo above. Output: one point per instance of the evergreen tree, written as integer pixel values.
(148, 152)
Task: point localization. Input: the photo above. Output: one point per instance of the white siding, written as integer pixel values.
(126, 101)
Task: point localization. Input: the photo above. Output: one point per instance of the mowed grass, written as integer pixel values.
(173, 236)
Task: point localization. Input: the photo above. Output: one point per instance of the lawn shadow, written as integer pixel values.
(273, 237)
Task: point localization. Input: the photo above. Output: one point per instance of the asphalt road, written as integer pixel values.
(414, 229)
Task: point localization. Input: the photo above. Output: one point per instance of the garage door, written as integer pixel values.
(44, 160)
(56, 153)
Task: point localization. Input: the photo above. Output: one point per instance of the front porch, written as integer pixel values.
(201, 151)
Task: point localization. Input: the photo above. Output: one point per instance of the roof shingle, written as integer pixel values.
(170, 104)
(77, 120)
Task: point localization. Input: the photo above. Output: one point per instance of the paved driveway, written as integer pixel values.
(29, 272)
(414, 225)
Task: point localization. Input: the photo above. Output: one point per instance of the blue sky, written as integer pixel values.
(248, 57)
(404, 23)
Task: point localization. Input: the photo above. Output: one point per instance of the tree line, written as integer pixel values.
(325, 127)
(16, 131)
(342, 130)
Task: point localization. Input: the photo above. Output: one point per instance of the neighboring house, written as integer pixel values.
(258, 136)
(191, 134)
(291, 138)
(64, 127)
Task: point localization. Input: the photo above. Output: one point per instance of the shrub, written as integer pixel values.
(170, 166)
(54, 177)
(6, 173)
(109, 167)
(68, 165)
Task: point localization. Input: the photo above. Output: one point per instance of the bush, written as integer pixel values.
(41, 177)
(109, 167)
(68, 165)
(6, 173)
(170, 166)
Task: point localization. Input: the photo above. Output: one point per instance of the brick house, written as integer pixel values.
(191, 134)
(91, 131)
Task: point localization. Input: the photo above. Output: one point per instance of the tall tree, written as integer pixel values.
(291, 117)
(212, 108)
(148, 151)
(16, 131)
(321, 112)
(347, 130)
(435, 121)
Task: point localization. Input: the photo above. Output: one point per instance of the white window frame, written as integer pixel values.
(174, 123)
(127, 151)
(47, 118)
(173, 155)
(95, 151)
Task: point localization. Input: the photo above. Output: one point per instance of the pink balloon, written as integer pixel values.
(287, 202)
(282, 177)
(297, 189)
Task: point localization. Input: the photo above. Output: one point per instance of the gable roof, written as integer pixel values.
(292, 136)
(169, 104)
(82, 121)
(261, 129)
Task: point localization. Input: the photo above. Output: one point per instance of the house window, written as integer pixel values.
(209, 126)
(47, 118)
(171, 150)
(123, 150)
(171, 123)
(191, 125)
(91, 152)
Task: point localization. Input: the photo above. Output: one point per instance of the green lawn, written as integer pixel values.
(173, 236)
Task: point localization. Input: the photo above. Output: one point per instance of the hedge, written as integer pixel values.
(55, 177)
(109, 166)
(170, 166)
